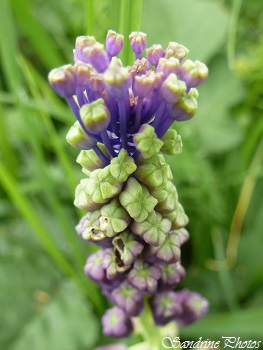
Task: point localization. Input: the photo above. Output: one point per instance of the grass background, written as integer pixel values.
(46, 301)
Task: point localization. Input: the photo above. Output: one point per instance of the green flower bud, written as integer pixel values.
(154, 171)
(172, 143)
(122, 166)
(153, 230)
(136, 199)
(83, 199)
(89, 160)
(114, 218)
(146, 141)
(102, 186)
(78, 138)
(95, 116)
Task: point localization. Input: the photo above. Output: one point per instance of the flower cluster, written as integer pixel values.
(133, 214)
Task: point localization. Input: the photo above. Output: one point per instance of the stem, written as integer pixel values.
(232, 33)
(148, 329)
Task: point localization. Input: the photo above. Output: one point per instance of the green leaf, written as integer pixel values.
(65, 323)
(147, 141)
(136, 199)
(122, 166)
(172, 143)
(114, 218)
(154, 171)
(154, 229)
(102, 186)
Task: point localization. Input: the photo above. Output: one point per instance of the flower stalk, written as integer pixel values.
(133, 214)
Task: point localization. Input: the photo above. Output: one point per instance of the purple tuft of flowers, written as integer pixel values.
(123, 128)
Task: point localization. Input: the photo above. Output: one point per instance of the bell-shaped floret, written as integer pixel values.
(167, 198)
(89, 160)
(79, 139)
(123, 166)
(154, 53)
(95, 116)
(128, 298)
(144, 276)
(102, 186)
(153, 229)
(172, 143)
(154, 171)
(176, 50)
(83, 199)
(127, 247)
(172, 274)
(172, 89)
(165, 307)
(146, 141)
(63, 80)
(114, 218)
(114, 43)
(116, 323)
(136, 199)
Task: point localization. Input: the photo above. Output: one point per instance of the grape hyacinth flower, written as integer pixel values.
(123, 129)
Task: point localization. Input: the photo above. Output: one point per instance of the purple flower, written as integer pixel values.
(127, 97)
(194, 306)
(165, 306)
(172, 274)
(128, 298)
(116, 323)
(144, 276)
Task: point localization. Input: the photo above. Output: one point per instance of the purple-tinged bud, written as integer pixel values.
(63, 80)
(93, 268)
(194, 307)
(168, 66)
(117, 79)
(97, 57)
(184, 109)
(114, 43)
(176, 50)
(127, 247)
(183, 235)
(193, 73)
(139, 67)
(83, 72)
(144, 276)
(95, 116)
(137, 42)
(165, 307)
(111, 266)
(96, 82)
(128, 298)
(168, 252)
(172, 89)
(172, 274)
(83, 42)
(113, 347)
(154, 53)
(143, 85)
(116, 323)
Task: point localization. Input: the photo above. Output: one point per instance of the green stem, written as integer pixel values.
(232, 33)
(148, 329)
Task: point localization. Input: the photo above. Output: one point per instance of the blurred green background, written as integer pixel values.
(46, 301)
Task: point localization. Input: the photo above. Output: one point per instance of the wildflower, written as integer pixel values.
(133, 213)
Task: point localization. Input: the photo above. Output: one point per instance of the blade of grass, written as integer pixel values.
(124, 10)
(42, 43)
(89, 18)
(28, 212)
